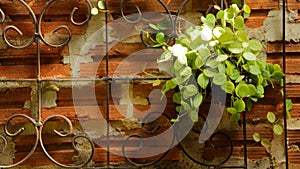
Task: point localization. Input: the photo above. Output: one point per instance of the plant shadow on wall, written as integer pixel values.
(218, 53)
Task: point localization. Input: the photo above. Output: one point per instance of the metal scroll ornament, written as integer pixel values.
(39, 123)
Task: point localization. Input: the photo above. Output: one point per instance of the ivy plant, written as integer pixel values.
(101, 7)
(220, 52)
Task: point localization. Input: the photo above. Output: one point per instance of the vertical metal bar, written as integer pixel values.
(284, 84)
(39, 85)
(107, 88)
(245, 140)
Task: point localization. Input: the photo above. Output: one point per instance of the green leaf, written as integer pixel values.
(101, 5)
(242, 90)
(235, 74)
(212, 63)
(254, 69)
(235, 117)
(177, 65)
(152, 26)
(249, 56)
(255, 45)
(220, 14)
(156, 82)
(192, 89)
(289, 104)
(221, 58)
(247, 9)
(177, 98)
(239, 105)
(256, 137)
(219, 79)
(242, 35)
(239, 22)
(221, 68)
(210, 72)
(164, 24)
(186, 106)
(229, 68)
(197, 100)
(226, 36)
(277, 68)
(178, 108)
(249, 104)
(240, 78)
(252, 90)
(277, 129)
(260, 89)
(203, 81)
(229, 87)
(187, 71)
(277, 75)
(271, 117)
(171, 84)
(94, 11)
(210, 20)
(198, 63)
(231, 110)
(194, 116)
(204, 52)
(266, 143)
(160, 37)
(236, 50)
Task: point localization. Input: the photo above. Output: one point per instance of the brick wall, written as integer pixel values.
(84, 57)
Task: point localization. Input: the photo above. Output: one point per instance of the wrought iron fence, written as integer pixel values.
(39, 123)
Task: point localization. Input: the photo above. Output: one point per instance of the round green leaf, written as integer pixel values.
(266, 143)
(204, 51)
(255, 45)
(247, 9)
(242, 90)
(198, 63)
(271, 117)
(256, 137)
(220, 14)
(219, 79)
(164, 24)
(235, 117)
(226, 36)
(94, 11)
(160, 37)
(151, 25)
(187, 71)
(192, 89)
(177, 98)
(254, 69)
(236, 50)
(229, 87)
(231, 110)
(203, 81)
(209, 72)
(249, 56)
(239, 22)
(194, 116)
(252, 90)
(156, 82)
(242, 35)
(101, 5)
(197, 100)
(277, 129)
(210, 20)
(239, 105)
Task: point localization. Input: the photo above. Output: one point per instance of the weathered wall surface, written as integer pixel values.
(84, 56)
